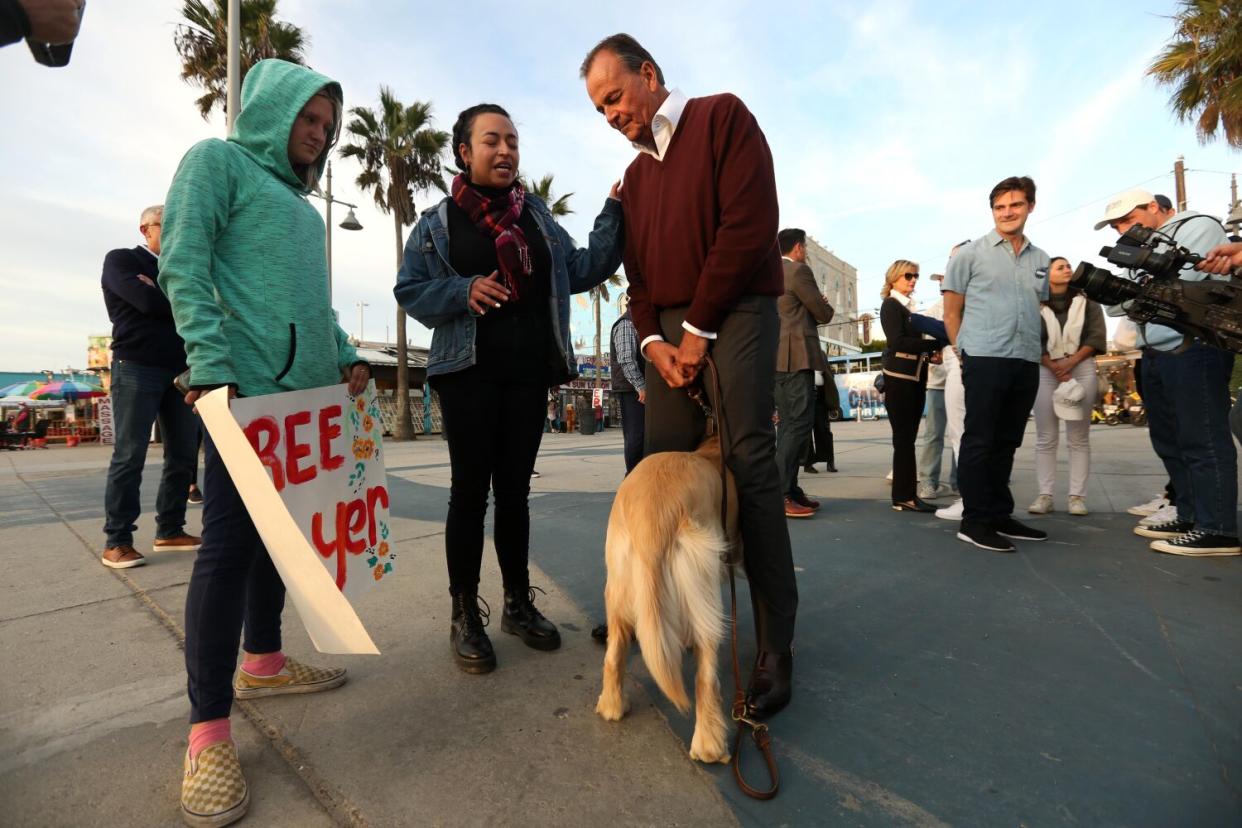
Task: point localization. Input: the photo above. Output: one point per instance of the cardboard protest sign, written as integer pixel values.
(309, 467)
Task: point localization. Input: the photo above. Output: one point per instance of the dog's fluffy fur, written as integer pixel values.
(664, 552)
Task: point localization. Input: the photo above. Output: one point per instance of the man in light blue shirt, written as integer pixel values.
(1187, 398)
(992, 291)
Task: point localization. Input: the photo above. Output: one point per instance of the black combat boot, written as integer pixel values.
(522, 619)
(472, 650)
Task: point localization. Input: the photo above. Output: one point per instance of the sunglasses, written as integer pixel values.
(909, 277)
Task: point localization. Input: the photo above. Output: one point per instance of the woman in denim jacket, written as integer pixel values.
(490, 271)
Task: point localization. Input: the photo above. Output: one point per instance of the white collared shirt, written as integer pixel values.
(664, 124)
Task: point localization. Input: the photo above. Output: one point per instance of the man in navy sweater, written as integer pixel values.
(147, 355)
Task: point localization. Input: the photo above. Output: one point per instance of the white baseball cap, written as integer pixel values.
(1120, 206)
(1069, 399)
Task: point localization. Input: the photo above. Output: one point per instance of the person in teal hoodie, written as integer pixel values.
(244, 266)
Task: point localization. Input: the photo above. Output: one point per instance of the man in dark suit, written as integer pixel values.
(147, 354)
(798, 357)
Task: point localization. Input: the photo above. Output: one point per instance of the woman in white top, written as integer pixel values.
(1073, 333)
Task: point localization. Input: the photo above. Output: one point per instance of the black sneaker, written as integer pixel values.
(1011, 528)
(1196, 544)
(985, 537)
(1165, 531)
(195, 497)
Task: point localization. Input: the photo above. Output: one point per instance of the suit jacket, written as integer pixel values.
(801, 308)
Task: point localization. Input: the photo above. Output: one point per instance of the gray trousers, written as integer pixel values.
(795, 402)
(745, 355)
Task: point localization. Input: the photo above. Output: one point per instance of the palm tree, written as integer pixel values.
(399, 152)
(543, 188)
(1203, 64)
(202, 42)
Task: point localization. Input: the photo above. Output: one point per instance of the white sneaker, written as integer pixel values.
(1164, 514)
(951, 512)
(1041, 506)
(1078, 505)
(1145, 509)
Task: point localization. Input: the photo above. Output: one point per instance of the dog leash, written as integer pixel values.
(758, 730)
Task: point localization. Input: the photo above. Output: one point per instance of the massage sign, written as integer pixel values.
(309, 466)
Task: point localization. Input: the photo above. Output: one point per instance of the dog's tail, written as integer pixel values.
(679, 601)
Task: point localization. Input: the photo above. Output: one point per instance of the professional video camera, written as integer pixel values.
(1208, 310)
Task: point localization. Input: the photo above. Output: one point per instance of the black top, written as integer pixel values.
(515, 341)
(903, 338)
(143, 330)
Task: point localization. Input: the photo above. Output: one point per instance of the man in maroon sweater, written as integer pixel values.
(704, 271)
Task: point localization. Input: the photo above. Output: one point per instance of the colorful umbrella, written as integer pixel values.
(21, 389)
(67, 390)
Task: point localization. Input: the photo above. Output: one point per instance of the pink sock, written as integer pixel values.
(268, 665)
(210, 733)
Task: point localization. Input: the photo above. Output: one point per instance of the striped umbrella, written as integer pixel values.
(21, 389)
(67, 390)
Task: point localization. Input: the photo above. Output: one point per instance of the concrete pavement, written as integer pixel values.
(1082, 681)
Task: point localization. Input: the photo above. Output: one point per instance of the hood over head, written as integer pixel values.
(272, 95)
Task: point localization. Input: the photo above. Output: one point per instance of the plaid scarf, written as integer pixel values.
(499, 217)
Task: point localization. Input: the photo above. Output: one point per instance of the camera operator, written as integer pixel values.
(1187, 398)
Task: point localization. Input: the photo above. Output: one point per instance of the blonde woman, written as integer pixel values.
(905, 379)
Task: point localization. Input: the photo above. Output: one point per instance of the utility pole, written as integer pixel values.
(360, 306)
(328, 233)
(232, 99)
(1179, 182)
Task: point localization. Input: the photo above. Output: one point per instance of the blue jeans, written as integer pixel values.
(931, 449)
(234, 584)
(1187, 398)
(633, 427)
(141, 394)
(795, 403)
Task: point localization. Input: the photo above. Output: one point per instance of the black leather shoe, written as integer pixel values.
(600, 634)
(770, 684)
(522, 619)
(810, 469)
(916, 505)
(832, 468)
(472, 649)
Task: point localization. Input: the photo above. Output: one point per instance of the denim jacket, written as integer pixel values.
(429, 290)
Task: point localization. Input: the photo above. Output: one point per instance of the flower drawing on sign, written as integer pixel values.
(358, 476)
(364, 449)
(367, 423)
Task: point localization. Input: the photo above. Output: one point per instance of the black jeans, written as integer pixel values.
(745, 355)
(1000, 393)
(234, 585)
(142, 394)
(633, 427)
(904, 400)
(493, 429)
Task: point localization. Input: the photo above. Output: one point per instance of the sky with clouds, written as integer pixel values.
(889, 123)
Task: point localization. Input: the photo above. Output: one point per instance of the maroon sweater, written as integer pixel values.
(700, 226)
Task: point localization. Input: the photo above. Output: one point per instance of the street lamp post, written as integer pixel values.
(360, 306)
(350, 223)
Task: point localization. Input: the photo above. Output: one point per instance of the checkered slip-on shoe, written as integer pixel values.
(213, 790)
(294, 677)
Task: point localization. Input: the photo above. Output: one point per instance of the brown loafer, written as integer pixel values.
(122, 557)
(177, 543)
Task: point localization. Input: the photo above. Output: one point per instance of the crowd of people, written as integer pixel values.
(491, 272)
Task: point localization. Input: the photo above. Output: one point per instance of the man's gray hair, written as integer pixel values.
(155, 211)
(628, 50)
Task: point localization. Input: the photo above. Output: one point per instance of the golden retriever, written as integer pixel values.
(664, 553)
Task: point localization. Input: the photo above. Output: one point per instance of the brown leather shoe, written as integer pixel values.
(122, 557)
(797, 510)
(802, 500)
(177, 543)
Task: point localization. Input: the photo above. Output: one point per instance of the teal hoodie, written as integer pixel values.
(242, 258)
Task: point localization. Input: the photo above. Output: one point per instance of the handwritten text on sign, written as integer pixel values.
(323, 451)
